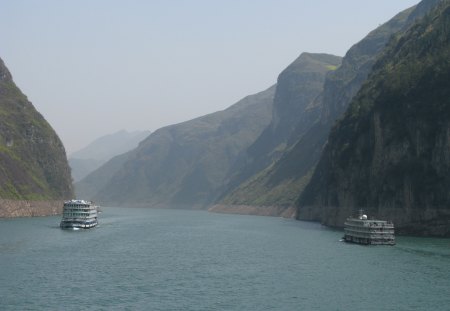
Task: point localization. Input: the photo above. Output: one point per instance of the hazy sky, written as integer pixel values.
(93, 67)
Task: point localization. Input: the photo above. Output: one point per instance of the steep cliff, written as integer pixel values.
(184, 165)
(390, 154)
(280, 183)
(293, 113)
(33, 163)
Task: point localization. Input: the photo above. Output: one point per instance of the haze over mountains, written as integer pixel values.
(182, 165)
(370, 130)
(294, 111)
(88, 159)
(282, 183)
(186, 165)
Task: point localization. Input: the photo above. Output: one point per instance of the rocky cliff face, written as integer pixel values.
(293, 113)
(185, 165)
(390, 154)
(281, 182)
(294, 110)
(25, 208)
(33, 163)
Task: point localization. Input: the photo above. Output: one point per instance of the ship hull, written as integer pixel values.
(77, 224)
(367, 241)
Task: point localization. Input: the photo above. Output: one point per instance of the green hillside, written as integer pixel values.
(294, 112)
(280, 183)
(33, 164)
(183, 165)
(390, 154)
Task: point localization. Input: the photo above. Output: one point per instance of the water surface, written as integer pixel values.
(149, 259)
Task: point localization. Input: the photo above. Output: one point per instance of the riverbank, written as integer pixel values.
(24, 208)
(274, 211)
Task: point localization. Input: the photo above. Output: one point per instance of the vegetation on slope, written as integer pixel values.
(293, 113)
(282, 182)
(33, 164)
(390, 154)
(185, 165)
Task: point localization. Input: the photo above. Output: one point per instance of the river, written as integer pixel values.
(154, 259)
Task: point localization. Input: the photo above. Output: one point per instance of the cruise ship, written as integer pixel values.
(366, 231)
(79, 214)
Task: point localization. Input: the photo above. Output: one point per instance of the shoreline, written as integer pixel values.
(29, 208)
(272, 211)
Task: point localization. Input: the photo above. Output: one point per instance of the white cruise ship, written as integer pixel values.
(79, 214)
(369, 231)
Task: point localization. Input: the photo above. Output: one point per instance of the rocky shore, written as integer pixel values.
(275, 211)
(23, 208)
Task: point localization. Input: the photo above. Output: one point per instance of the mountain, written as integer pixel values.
(183, 165)
(293, 112)
(103, 149)
(109, 146)
(33, 163)
(281, 183)
(390, 153)
(89, 186)
(82, 167)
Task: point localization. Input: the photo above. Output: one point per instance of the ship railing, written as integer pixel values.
(78, 218)
(369, 228)
(371, 222)
(371, 237)
(350, 230)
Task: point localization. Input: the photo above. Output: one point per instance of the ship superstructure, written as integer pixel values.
(362, 230)
(79, 214)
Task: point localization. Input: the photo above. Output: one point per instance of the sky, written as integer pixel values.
(94, 67)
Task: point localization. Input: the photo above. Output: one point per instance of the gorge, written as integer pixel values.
(335, 134)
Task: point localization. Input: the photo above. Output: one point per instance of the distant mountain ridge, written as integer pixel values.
(110, 145)
(183, 165)
(97, 179)
(33, 163)
(103, 149)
